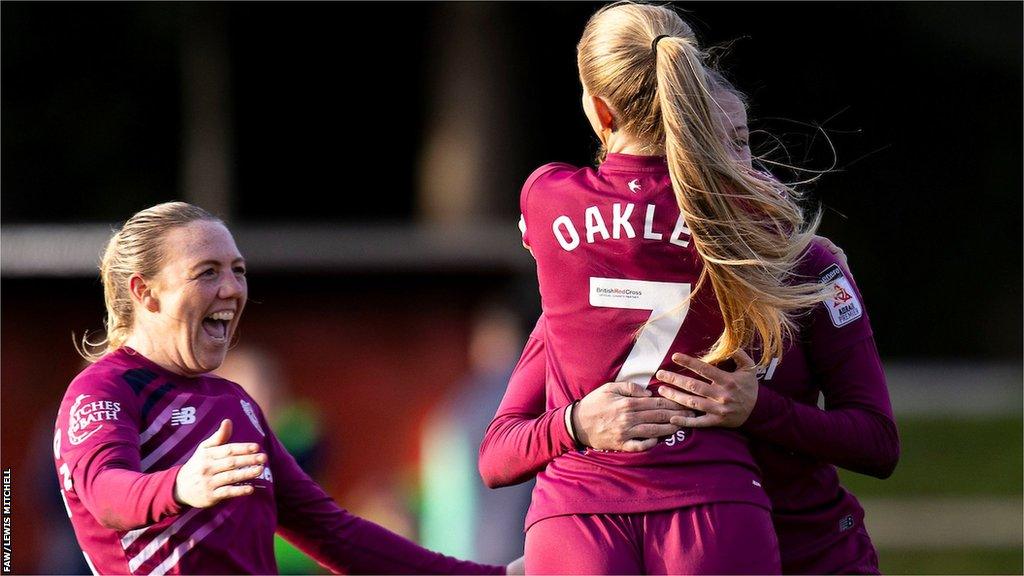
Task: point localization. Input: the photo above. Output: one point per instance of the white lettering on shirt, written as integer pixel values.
(82, 417)
(649, 233)
(565, 223)
(595, 224)
(620, 221)
(568, 237)
(678, 232)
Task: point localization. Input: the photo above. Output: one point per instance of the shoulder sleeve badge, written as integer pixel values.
(843, 307)
(86, 418)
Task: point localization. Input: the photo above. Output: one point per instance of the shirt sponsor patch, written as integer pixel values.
(843, 307)
(87, 417)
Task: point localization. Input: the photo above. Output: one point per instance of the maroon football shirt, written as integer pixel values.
(124, 429)
(820, 525)
(615, 263)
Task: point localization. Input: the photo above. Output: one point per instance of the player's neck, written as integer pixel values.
(623, 143)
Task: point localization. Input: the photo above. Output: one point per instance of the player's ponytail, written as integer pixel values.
(748, 229)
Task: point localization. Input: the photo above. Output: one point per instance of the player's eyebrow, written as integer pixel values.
(213, 262)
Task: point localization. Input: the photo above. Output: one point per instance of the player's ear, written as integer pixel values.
(141, 291)
(604, 113)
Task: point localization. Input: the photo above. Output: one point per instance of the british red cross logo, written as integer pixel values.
(841, 297)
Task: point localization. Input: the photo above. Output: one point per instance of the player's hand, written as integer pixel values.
(726, 401)
(624, 416)
(210, 474)
(835, 250)
(516, 567)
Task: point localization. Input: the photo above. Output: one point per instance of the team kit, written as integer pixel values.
(673, 272)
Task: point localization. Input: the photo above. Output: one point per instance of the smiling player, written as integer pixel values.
(166, 468)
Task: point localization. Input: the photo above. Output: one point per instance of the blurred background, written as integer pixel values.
(368, 158)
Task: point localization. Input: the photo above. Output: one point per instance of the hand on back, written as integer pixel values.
(624, 416)
(726, 400)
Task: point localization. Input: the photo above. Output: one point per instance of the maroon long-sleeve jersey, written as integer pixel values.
(796, 444)
(616, 265)
(125, 428)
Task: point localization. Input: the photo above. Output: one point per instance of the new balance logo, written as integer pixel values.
(185, 415)
(845, 523)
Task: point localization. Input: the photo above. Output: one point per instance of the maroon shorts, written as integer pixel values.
(720, 538)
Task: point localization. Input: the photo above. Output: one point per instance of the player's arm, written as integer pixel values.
(523, 437)
(342, 542)
(96, 446)
(98, 458)
(856, 429)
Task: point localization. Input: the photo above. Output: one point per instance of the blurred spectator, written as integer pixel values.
(460, 515)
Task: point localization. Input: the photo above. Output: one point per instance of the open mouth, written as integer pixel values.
(216, 325)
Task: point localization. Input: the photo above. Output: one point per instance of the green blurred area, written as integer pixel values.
(952, 457)
(951, 561)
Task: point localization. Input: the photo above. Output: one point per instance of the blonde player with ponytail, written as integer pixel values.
(624, 256)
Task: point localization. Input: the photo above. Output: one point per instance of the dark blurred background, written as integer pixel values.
(369, 158)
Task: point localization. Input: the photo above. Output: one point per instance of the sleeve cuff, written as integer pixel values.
(169, 506)
(561, 434)
(766, 408)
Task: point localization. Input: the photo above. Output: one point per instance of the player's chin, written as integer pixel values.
(210, 355)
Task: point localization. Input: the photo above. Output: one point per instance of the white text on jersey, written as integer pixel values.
(594, 226)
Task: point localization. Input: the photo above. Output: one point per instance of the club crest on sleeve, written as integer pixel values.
(843, 307)
(247, 408)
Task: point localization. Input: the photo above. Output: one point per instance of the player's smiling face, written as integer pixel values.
(197, 299)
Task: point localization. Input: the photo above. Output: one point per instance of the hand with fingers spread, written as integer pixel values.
(726, 400)
(624, 416)
(211, 473)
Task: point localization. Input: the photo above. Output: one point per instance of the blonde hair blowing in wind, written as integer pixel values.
(134, 249)
(748, 229)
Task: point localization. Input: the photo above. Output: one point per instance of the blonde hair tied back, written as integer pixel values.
(136, 248)
(748, 229)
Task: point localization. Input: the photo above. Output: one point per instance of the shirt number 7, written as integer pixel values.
(668, 302)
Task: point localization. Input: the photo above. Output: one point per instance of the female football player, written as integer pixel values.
(670, 210)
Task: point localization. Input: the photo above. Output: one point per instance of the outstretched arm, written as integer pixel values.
(343, 542)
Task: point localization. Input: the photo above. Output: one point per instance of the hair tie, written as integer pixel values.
(654, 44)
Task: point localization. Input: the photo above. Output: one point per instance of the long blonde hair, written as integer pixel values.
(134, 249)
(748, 229)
